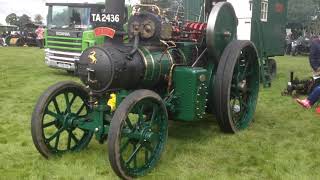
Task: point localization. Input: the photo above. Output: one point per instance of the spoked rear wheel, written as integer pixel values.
(138, 134)
(52, 127)
(237, 86)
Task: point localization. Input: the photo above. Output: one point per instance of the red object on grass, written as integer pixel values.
(104, 31)
(318, 110)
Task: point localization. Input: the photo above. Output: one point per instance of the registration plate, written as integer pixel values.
(64, 66)
(105, 18)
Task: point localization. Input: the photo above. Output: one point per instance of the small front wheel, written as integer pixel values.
(138, 134)
(52, 127)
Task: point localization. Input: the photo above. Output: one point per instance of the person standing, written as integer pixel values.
(314, 60)
(40, 37)
(289, 44)
(314, 57)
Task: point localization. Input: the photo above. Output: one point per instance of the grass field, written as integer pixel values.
(282, 143)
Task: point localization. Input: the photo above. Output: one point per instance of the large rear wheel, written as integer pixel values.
(138, 134)
(237, 86)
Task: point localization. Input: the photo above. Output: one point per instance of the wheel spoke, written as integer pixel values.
(66, 97)
(244, 75)
(57, 142)
(128, 122)
(124, 146)
(141, 110)
(233, 104)
(81, 108)
(233, 94)
(69, 140)
(56, 105)
(148, 146)
(49, 124)
(134, 154)
(146, 155)
(53, 114)
(244, 105)
(55, 134)
(74, 138)
(154, 114)
(135, 161)
(73, 99)
(249, 74)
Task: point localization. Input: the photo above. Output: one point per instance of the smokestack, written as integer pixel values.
(116, 7)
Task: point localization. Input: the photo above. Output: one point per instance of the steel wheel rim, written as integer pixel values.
(62, 123)
(244, 89)
(143, 150)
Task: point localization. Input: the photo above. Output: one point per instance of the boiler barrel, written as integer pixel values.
(111, 68)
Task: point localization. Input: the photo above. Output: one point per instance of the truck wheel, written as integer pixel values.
(138, 134)
(51, 124)
(237, 86)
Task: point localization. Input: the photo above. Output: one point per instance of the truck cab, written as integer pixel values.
(69, 32)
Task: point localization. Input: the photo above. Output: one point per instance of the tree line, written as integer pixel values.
(305, 13)
(21, 21)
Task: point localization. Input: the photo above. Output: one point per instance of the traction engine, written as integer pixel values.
(178, 64)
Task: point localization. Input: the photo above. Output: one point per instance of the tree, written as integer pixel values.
(23, 20)
(300, 11)
(12, 19)
(38, 19)
(305, 14)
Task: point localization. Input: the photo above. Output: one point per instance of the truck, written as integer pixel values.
(69, 32)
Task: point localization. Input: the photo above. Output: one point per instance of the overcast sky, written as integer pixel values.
(31, 7)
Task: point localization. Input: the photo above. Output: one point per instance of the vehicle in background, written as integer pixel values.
(300, 46)
(69, 32)
(6, 33)
(29, 35)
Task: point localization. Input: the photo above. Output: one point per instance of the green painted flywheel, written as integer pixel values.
(221, 29)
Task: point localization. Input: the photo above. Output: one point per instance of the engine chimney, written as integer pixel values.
(117, 7)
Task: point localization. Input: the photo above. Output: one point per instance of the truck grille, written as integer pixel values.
(62, 56)
(64, 43)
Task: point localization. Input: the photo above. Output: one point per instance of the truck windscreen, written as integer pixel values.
(66, 17)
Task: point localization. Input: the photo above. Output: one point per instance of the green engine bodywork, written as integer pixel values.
(174, 80)
(186, 96)
(191, 90)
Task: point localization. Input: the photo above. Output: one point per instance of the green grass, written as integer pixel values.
(282, 143)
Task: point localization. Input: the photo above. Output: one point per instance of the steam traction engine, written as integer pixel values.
(177, 66)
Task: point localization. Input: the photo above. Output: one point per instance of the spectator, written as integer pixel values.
(289, 43)
(40, 37)
(314, 57)
(3, 39)
(311, 100)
